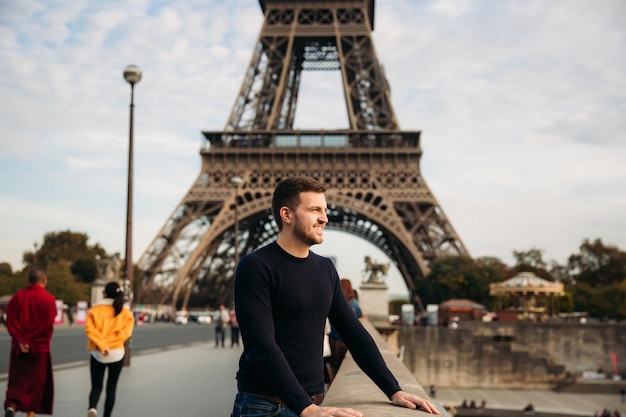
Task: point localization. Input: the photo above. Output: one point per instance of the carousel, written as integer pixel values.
(526, 297)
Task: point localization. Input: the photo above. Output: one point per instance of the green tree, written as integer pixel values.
(84, 269)
(609, 302)
(11, 281)
(581, 295)
(598, 265)
(530, 261)
(493, 269)
(63, 286)
(566, 303)
(66, 245)
(560, 273)
(461, 277)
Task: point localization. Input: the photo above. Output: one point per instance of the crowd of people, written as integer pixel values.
(607, 413)
(473, 404)
(223, 320)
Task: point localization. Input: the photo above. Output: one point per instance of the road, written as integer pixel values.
(69, 343)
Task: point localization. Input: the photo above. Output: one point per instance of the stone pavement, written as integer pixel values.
(190, 381)
(544, 401)
(199, 381)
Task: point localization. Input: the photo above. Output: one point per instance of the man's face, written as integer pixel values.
(310, 218)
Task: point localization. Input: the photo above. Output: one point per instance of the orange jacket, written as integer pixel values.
(105, 331)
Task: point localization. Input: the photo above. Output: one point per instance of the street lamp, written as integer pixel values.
(236, 181)
(132, 74)
(35, 257)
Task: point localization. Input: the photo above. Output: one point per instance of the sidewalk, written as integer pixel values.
(190, 381)
(199, 381)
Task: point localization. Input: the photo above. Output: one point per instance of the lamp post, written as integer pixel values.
(35, 257)
(132, 74)
(236, 181)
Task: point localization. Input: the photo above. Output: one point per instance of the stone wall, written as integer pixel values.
(511, 355)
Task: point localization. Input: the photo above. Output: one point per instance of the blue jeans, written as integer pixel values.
(248, 405)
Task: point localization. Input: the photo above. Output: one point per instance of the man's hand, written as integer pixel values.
(24, 348)
(315, 411)
(403, 399)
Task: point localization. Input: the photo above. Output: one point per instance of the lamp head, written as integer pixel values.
(132, 74)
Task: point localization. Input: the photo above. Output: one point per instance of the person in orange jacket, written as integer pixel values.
(109, 325)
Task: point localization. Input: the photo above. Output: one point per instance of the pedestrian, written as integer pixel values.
(70, 316)
(234, 329)
(221, 318)
(622, 394)
(433, 391)
(283, 294)
(108, 326)
(30, 319)
(338, 348)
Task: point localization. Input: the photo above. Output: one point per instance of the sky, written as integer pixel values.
(521, 105)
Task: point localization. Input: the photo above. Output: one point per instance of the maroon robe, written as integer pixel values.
(30, 320)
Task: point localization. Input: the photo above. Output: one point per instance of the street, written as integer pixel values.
(69, 343)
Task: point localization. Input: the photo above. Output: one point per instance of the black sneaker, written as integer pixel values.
(9, 412)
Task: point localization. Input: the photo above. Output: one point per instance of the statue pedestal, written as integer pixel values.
(374, 301)
(97, 288)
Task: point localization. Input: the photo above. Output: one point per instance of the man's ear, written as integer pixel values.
(285, 214)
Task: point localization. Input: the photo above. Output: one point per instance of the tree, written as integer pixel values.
(609, 302)
(461, 277)
(10, 282)
(66, 245)
(560, 273)
(5, 269)
(85, 269)
(598, 265)
(493, 268)
(581, 295)
(63, 286)
(530, 261)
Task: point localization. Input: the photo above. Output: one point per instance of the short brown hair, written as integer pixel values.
(36, 276)
(287, 193)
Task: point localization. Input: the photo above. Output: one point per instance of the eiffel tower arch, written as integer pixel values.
(370, 169)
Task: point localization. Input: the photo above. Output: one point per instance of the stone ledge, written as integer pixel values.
(352, 388)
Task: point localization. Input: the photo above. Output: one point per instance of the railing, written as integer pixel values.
(311, 139)
(352, 388)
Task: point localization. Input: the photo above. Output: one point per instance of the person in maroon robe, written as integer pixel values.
(30, 322)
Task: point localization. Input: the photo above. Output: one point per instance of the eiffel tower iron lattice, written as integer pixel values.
(371, 169)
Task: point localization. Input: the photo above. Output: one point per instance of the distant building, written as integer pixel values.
(460, 310)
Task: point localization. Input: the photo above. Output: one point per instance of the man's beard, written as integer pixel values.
(300, 232)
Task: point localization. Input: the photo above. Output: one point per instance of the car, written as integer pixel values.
(204, 319)
(182, 317)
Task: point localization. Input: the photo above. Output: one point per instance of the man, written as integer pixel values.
(221, 318)
(283, 294)
(30, 322)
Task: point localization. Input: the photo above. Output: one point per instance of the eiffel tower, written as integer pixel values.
(371, 169)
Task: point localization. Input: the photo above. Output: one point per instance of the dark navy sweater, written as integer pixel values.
(282, 303)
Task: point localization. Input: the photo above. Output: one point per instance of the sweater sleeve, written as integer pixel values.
(361, 345)
(93, 333)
